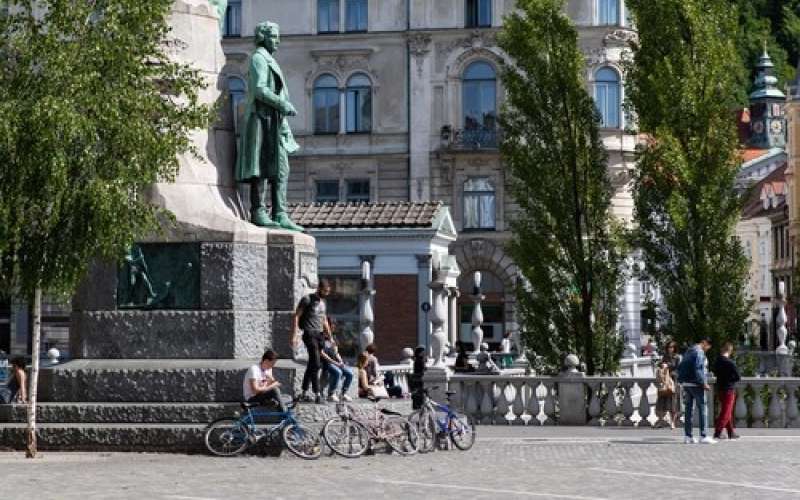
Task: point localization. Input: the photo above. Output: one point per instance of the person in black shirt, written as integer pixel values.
(727, 375)
(311, 317)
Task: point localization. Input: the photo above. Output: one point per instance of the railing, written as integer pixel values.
(471, 138)
(609, 401)
(400, 373)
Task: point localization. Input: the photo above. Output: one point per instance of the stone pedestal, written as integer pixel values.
(435, 380)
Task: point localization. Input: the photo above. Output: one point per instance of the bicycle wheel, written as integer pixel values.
(400, 435)
(302, 441)
(346, 437)
(462, 431)
(425, 422)
(226, 437)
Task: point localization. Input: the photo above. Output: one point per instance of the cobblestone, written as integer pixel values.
(508, 462)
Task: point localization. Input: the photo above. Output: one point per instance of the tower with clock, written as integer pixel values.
(767, 121)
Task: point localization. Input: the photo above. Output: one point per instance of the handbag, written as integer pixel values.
(378, 391)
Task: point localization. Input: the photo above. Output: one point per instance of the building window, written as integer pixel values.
(607, 97)
(607, 12)
(236, 89)
(327, 192)
(326, 105)
(328, 16)
(479, 204)
(479, 13)
(358, 191)
(479, 96)
(359, 104)
(356, 15)
(233, 19)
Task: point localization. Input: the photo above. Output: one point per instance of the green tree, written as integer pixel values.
(563, 239)
(682, 84)
(93, 111)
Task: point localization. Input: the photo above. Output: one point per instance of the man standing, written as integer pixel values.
(267, 140)
(692, 377)
(727, 376)
(260, 385)
(311, 317)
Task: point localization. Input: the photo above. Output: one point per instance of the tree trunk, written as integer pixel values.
(30, 452)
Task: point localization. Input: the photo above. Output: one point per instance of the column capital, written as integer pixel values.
(423, 259)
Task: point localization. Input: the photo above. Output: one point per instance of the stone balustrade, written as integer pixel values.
(607, 401)
(401, 373)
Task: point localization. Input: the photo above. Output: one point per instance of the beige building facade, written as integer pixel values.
(397, 100)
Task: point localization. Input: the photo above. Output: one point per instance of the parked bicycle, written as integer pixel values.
(232, 435)
(436, 423)
(351, 435)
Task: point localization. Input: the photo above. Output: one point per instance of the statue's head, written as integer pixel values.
(268, 35)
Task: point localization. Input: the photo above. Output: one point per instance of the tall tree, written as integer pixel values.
(563, 241)
(93, 111)
(682, 84)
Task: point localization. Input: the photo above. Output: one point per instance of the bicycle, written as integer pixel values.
(230, 436)
(350, 435)
(436, 423)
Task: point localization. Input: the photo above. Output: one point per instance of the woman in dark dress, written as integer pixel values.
(670, 402)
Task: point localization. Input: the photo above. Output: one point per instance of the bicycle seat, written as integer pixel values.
(246, 405)
(386, 411)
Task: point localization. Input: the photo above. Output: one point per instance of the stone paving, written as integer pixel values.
(506, 462)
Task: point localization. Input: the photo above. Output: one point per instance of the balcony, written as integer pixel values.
(474, 138)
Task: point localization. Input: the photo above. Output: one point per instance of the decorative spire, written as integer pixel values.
(765, 82)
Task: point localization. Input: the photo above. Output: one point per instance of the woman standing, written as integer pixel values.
(16, 389)
(668, 393)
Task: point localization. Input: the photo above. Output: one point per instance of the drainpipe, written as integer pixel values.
(408, 98)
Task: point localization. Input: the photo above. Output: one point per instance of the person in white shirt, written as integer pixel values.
(260, 385)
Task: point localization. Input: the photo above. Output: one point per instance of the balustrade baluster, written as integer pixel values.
(627, 403)
(532, 406)
(775, 410)
(611, 408)
(518, 407)
(550, 404)
(792, 413)
(644, 406)
(503, 404)
(487, 403)
(740, 411)
(471, 401)
(595, 409)
(757, 410)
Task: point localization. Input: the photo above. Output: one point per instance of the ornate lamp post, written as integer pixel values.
(367, 317)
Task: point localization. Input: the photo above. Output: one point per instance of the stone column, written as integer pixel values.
(366, 316)
(572, 394)
(438, 316)
(453, 322)
(477, 313)
(780, 321)
(423, 295)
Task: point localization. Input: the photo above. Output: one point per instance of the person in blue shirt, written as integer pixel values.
(692, 377)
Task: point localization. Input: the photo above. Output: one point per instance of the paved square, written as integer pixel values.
(506, 462)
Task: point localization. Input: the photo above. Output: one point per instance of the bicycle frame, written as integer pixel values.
(248, 419)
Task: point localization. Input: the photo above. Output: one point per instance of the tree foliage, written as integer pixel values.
(563, 241)
(682, 84)
(93, 111)
(776, 23)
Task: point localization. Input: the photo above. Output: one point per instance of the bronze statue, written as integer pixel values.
(267, 140)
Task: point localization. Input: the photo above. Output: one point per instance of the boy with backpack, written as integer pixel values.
(692, 377)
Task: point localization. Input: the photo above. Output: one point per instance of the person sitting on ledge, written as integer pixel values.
(15, 390)
(374, 373)
(260, 385)
(462, 360)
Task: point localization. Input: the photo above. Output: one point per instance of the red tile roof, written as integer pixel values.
(365, 215)
(751, 154)
(774, 182)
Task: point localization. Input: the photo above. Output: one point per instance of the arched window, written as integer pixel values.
(607, 97)
(607, 12)
(359, 103)
(236, 89)
(326, 105)
(479, 101)
(479, 204)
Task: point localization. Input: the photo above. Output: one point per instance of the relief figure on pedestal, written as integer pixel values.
(267, 140)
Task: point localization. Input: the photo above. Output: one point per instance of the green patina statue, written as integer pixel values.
(266, 139)
(222, 7)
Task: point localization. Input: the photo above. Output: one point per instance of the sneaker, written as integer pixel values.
(346, 398)
(305, 397)
(717, 436)
(734, 436)
(708, 440)
(333, 398)
(689, 440)
(318, 399)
